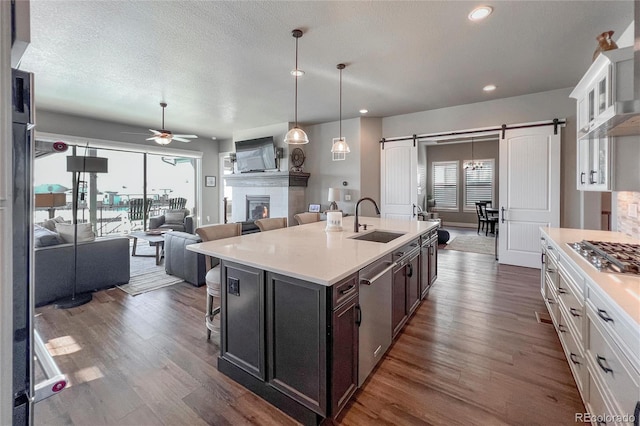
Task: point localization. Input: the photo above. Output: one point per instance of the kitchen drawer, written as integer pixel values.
(624, 332)
(571, 274)
(344, 290)
(621, 382)
(572, 303)
(575, 355)
(552, 251)
(597, 408)
(551, 272)
(551, 301)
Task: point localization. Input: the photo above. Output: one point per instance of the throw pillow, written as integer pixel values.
(174, 216)
(42, 237)
(50, 224)
(85, 232)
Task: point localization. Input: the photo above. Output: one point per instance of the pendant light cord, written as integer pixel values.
(297, 71)
(340, 104)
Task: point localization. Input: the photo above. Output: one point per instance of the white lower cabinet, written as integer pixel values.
(621, 381)
(601, 344)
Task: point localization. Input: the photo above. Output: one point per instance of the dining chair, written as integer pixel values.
(485, 221)
(303, 218)
(212, 277)
(271, 223)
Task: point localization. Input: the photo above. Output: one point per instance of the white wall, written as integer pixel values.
(64, 124)
(326, 173)
(519, 109)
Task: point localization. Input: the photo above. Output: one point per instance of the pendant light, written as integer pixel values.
(296, 136)
(473, 165)
(340, 149)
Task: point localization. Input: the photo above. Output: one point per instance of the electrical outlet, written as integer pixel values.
(632, 210)
(233, 286)
(347, 197)
(208, 218)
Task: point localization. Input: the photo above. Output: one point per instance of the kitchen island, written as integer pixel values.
(290, 306)
(595, 310)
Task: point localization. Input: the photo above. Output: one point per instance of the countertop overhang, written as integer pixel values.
(623, 289)
(310, 253)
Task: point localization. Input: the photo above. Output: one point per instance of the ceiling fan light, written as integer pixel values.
(296, 136)
(160, 140)
(297, 73)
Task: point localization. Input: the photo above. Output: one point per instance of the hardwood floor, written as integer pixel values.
(472, 354)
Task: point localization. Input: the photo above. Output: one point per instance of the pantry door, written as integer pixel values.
(529, 192)
(399, 180)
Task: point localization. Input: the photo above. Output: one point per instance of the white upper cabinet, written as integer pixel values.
(609, 79)
(605, 163)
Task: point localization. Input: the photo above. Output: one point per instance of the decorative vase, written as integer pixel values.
(605, 42)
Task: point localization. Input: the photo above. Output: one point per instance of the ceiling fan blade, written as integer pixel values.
(155, 132)
(133, 133)
(152, 138)
(175, 138)
(185, 136)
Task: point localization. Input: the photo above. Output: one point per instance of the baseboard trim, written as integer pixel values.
(459, 224)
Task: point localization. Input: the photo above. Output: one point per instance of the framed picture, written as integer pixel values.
(314, 208)
(209, 181)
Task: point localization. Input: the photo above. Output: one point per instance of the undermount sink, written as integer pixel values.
(378, 236)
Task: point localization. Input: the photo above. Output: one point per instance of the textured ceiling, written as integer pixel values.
(224, 65)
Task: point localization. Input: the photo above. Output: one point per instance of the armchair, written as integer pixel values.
(176, 220)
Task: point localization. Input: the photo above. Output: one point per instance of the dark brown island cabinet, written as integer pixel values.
(294, 342)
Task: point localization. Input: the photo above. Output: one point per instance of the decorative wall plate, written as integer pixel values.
(297, 157)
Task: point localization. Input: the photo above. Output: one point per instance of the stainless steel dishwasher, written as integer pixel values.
(375, 306)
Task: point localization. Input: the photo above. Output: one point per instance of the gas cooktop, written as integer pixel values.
(621, 258)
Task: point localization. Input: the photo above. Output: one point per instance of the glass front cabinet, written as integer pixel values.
(594, 159)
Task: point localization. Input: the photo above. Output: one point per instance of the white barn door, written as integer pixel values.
(529, 192)
(399, 180)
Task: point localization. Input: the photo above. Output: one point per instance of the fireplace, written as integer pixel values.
(257, 207)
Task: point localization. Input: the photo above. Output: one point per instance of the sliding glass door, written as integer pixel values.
(105, 198)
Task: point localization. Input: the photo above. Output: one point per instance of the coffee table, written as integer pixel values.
(158, 239)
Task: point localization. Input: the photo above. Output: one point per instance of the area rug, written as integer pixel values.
(472, 243)
(149, 281)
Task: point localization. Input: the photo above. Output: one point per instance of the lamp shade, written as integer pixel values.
(296, 136)
(334, 194)
(76, 163)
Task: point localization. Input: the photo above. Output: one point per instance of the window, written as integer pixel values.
(445, 184)
(478, 184)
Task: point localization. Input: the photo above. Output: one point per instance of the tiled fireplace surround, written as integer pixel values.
(286, 191)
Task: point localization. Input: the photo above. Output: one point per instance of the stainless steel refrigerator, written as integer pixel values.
(27, 345)
(23, 119)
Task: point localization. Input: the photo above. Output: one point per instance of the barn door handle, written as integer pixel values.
(413, 206)
(502, 209)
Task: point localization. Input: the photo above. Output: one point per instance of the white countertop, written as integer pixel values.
(623, 289)
(310, 253)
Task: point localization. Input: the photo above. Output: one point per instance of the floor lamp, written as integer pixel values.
(77, 165)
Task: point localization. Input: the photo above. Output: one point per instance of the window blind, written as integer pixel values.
(478, 184)
(445, 184)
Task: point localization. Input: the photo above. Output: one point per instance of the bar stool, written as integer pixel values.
(212, 278)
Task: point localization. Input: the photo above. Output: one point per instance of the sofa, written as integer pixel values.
(175, 220)
(102, 263)
(180, 262)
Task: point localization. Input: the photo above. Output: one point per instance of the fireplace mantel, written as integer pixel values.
(262, 179)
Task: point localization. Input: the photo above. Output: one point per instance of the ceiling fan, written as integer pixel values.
(164, 136)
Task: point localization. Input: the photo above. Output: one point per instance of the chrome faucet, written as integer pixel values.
(356, 225)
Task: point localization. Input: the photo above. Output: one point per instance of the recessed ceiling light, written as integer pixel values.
(479, 13)
(297, 73)
(489, 88)
(364, 111)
